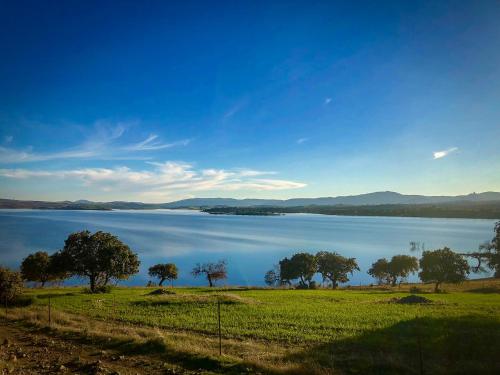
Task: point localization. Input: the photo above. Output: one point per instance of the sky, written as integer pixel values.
(161, 100)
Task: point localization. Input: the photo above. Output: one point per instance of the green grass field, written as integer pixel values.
(344, 331)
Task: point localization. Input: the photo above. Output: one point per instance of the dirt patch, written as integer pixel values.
(161, 292)
(35, 351)
(411, 299)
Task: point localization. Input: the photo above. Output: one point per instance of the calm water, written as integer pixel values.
(250, 244)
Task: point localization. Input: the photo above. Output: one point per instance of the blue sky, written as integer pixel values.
(161, 100)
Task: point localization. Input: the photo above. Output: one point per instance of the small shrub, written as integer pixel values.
(99, 289)
(11, 284)
(415, 290)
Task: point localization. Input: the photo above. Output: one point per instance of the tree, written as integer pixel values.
(443, 265)
(301, 266)
(272, 277)
(36, 267)
(287, 272)
(57, 267)
(100, 257)
(167, 271)
(401, 266)
(489, 252)
(380, 271)
(11, 284)
(212, 271)
(335, 267)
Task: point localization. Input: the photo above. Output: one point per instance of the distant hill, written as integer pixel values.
(370, 199)
(382, 197)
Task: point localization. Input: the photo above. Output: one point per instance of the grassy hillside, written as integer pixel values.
(345, 331)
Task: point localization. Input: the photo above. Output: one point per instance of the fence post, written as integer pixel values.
(220, 336)
(50, 315)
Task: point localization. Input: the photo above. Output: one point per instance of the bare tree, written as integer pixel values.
(212, 271)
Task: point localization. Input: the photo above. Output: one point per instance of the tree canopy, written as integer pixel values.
(443, 265)
(166, 271)
(36, 267)
(101, 257)
(300, 266)
(212, 271)
(335, 267)
(380, 271)
(401, 266)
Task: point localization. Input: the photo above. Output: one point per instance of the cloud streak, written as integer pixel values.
(164, 180)
(103, 145)
(443, 153)
(151, 143)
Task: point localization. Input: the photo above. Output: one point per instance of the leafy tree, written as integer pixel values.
(100, 257)
(380, 271)
(212, 271)
(401, 266)
(287, 272)
(443, 265)
(167, 271)
(57, 267)
(335, 267)
(300, 266)
(36, 267)
(11, 284)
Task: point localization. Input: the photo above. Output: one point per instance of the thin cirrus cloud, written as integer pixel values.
(103, 146)
(443, 153)
(151, 144)
(302, 140)
(164, 180)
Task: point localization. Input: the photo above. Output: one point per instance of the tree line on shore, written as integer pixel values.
(101, 258)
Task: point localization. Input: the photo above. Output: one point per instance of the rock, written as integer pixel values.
(122, 357)
(62, 368)
(13, 358)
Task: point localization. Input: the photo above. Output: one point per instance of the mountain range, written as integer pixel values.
(376, 198)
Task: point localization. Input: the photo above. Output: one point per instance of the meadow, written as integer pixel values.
(352, 330)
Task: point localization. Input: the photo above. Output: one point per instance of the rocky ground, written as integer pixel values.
(32, 351)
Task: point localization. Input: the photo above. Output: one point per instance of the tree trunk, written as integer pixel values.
(210, 283)
(43, 284)
(334, 284)
(394, 281)
(161, 281)
(436, 288)
(92, 283)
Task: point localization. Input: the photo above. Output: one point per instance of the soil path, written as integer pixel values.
(32, 351)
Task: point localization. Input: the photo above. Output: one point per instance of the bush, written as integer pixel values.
(11, 284)
(99, 289)
(415, 290)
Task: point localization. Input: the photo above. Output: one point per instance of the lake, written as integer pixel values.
(250, 244)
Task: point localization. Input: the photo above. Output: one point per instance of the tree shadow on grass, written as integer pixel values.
(54, 295)
(487, 290)
(459, 345)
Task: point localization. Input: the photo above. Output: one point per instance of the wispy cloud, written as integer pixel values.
(104, 143)
(302, 140)
(151, 143)
(443, 153)
(327, 101)
(164, 180)
(234, 109)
